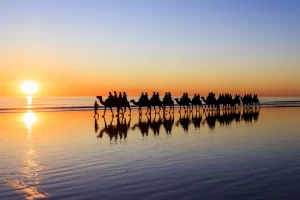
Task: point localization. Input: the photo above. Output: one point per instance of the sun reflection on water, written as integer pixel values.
(31, 167)
(29, 119)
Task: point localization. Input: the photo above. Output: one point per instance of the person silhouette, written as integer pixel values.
(115, 95)
(166, 95)
(146, 96)
(142, 96)
(120, 95)
(110, 96)
(96, 105)
(154, 94)
(124, 95)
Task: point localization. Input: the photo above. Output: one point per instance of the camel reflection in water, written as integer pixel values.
(153, 123)
(226, 117)
(168, 122)
(119, 130)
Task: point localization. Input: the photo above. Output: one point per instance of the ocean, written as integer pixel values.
(251, 154)
(21, 104)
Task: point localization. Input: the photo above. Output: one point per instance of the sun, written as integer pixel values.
(29, 87)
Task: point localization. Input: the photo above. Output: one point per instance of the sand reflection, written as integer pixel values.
(27, 184)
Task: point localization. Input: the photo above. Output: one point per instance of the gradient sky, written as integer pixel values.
(74, 48)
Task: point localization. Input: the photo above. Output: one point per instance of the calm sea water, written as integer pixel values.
(253, 154)
(86, 103)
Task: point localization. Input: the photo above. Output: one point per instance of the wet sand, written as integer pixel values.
(70, 155)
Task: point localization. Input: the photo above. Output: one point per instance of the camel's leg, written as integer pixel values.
(104, 111)
(124, 110)
(111, 111)
(129, 109)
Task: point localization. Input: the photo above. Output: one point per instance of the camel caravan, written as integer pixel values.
(224, 101)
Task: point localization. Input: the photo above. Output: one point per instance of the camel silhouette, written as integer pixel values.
(183, 102)
(168, 102)
(118, 103)
(211, 102)
(196, 101)
(155, 102)
(142, 103)
(148, 103)
(250, 101)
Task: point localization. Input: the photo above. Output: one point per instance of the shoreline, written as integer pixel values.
(134, 107)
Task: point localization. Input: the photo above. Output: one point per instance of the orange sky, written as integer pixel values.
(93, 51)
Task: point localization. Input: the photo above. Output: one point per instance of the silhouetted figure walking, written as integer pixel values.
(96, 105)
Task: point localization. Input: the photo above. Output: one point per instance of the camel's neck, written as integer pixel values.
(101, 100)
(203, 99)
(134, 102)
(177, 101)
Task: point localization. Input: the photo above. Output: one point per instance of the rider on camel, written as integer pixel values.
(110, 96)
(115, 95)
(125, 96)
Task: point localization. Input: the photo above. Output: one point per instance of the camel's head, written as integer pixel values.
(132, 100)
(98, 97)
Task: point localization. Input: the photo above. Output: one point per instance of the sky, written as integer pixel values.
(90, 47)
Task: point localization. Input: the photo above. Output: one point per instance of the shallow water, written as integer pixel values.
(70, 155)
(21, 104)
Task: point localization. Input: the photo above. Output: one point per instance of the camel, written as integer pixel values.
(168, 102)
(210, 102)
(155, 102)
(236, 100)
(196, 102)
(255, 101)
(183, 102)
(118, 103)
(147, 103)
(140, 104)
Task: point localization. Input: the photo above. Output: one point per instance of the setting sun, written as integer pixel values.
(29, 87)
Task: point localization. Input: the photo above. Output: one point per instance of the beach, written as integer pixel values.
(71, 155)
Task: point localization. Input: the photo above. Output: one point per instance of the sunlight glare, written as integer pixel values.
(29, 87)
(29, 100)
